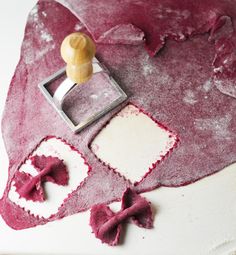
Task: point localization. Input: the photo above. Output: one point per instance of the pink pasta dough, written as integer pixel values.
(188, 87)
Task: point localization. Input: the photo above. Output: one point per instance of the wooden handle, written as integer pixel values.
(78, 50)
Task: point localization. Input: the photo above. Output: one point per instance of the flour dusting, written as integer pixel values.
(218, 126)
(226, 86)
(45, 40)
(147, 66)
(207, 86)
(189, 97)
(46, 36)
(79, 26)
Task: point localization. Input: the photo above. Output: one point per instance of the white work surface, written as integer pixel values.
(196, 219)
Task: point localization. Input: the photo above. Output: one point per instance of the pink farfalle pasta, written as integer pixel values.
(107, 225)
(50, 169)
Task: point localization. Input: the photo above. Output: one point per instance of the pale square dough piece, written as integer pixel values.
(76, 167)
(132, 142)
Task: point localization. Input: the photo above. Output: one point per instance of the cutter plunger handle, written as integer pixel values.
(78, 50)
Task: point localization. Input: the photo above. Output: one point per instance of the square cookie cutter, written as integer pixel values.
(92, 89)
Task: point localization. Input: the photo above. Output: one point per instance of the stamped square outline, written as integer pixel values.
(46, 138)
(154, 165)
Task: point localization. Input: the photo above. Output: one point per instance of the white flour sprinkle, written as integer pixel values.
(45, 39)
(189, 97)
(147, 66)
(34, 15)
(46, 36)
(218, 69)
(207, 86)
(218, 126)
(78, 26)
